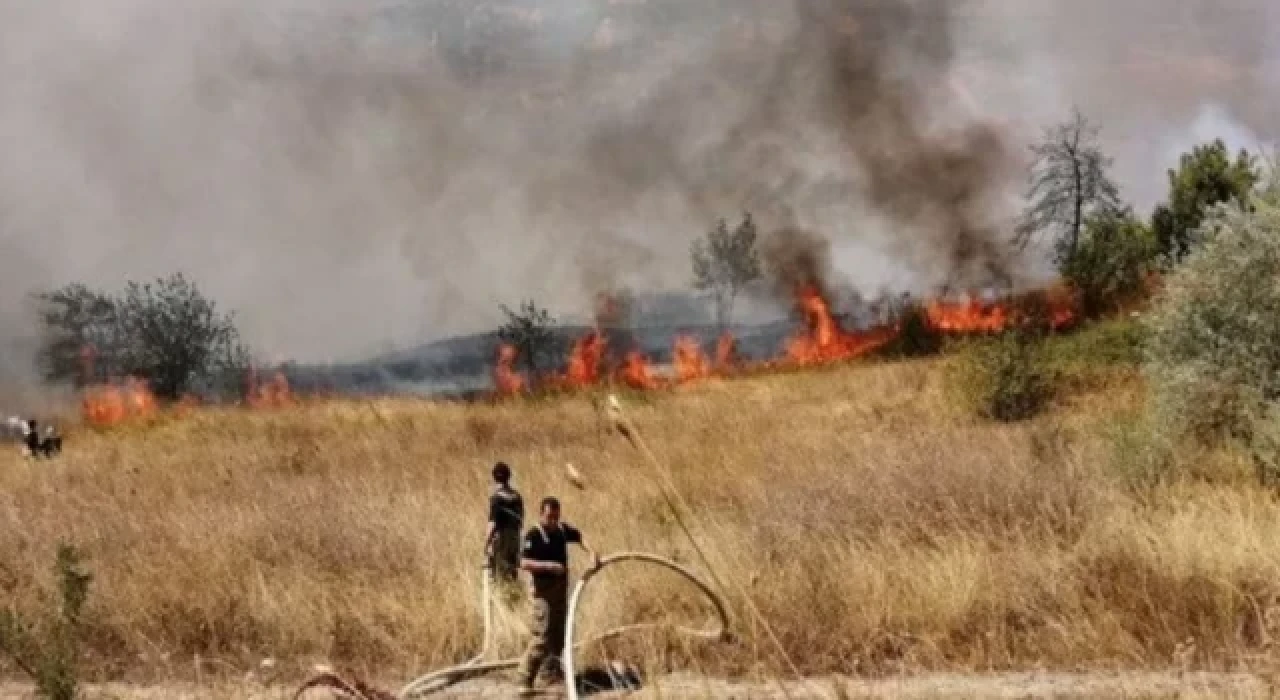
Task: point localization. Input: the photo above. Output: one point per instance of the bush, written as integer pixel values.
(1006, 379)
(1110, 266)
(1213, 356)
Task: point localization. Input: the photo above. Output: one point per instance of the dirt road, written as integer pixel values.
(1014, 685)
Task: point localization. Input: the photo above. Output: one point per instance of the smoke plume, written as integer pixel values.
(353, 177)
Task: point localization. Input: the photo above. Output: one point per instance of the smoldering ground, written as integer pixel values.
(351, 177)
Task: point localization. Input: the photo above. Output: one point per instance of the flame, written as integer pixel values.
(690, 362)
(821, 340)
(505, 378)
(110, 404)
(635, 372)
(273, 394)
(726, 352)
(971, 316)
(585, 360)
(824, 341)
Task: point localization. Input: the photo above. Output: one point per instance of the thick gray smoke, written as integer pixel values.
(356, 176)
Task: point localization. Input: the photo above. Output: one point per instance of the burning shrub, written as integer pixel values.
(1213, 356)
(1006, 379)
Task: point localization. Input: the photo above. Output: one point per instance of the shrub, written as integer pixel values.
(1110, 265)
(1006, 379)
(1213, 356)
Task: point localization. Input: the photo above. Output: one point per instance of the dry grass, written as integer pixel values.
(875, 528)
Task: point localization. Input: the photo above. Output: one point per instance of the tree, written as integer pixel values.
(1069, 183)
(725, 262)
(165, 331)
(1213, 352)
(530, 332)
(1110, 265)
(1205, 178)
(80, 335)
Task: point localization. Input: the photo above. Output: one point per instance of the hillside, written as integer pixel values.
(875, 526)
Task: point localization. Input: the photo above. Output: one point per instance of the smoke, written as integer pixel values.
(353, 177)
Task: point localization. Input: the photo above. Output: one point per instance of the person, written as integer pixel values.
(545, 555)
(502, 539)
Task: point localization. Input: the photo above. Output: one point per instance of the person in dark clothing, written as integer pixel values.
(506, 516)
(545, 555)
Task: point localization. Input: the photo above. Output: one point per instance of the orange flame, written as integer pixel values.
(824, 340)
(635, 372)
(505, 378)
(585, 360)
(273, 394)
(690, 363)
(111, 404)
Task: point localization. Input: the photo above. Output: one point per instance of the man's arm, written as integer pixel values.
(576, 536)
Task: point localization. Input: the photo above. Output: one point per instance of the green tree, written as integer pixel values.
(165, 331)
(724, 263)
(1212, 359)
(1068, 184)
(1205, 177)
(530, 330)
(1110, 265)
(80, 336)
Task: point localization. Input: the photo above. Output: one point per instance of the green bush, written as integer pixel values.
(1006, 379)
(1110, 265)
(1213, 356)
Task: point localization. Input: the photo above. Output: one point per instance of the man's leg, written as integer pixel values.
(539, 643)
(558, 608)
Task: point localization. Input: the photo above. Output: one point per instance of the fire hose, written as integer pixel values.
(476, 666)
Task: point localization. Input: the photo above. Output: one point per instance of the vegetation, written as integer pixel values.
(49, 649)
(1006, 379)
(531, 331)
(1213, 361)
(1205, 177)
(724, 263)
(1112, 263)
(166, 332)
(1069, 184)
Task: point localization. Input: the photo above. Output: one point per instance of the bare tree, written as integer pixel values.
(1069, 183)
(724, 263)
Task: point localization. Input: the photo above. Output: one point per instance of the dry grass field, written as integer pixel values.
(873, 526)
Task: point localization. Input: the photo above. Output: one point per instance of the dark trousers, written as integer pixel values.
(550, 608)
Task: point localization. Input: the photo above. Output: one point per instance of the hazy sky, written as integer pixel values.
(355, 176)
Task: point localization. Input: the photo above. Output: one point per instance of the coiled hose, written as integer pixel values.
(476, 666)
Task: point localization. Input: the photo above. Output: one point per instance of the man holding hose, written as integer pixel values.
(546, 557)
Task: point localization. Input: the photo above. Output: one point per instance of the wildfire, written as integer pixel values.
(635, 372)
(273, 394)
(585, 360)
(111, 404)
(505, 378)
(824, 340)
(689, 360)
(821, 340)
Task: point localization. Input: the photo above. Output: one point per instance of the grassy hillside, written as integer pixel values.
(874, 525)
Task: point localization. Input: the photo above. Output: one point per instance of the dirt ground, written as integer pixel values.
(1013, 685)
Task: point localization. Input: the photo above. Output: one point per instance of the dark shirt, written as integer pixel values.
(554, 546)
(506, 509)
